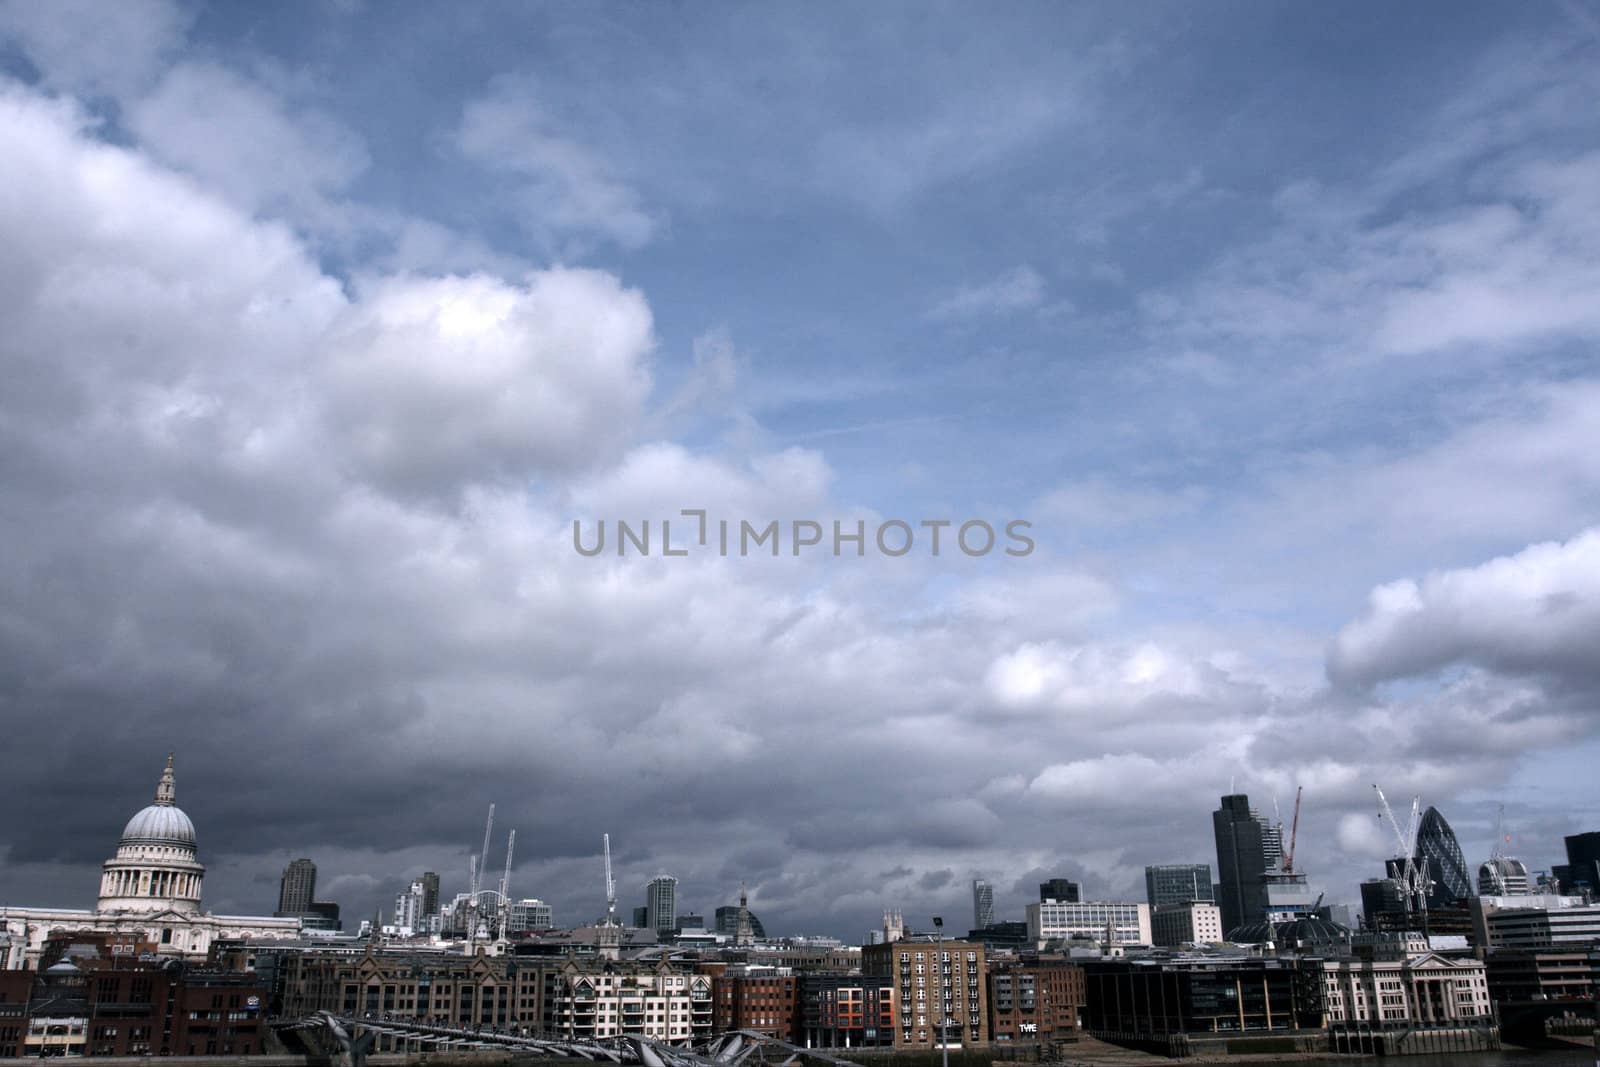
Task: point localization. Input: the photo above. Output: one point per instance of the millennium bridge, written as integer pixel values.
(357, 1036)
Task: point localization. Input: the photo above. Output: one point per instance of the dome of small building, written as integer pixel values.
(1308, 930)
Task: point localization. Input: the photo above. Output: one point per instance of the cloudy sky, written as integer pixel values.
(322, 323)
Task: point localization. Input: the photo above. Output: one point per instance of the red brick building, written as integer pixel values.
(1034, 1000)
(129, 1007)
(846, 1011)
(935, 982)
(765, 1003)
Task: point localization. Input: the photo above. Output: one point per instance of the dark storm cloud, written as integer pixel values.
(311, 533)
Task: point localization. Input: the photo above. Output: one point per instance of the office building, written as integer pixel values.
(1006, 936)
(1194, 922)
(1439, 854)
(324, 915)
(1522, 975)
(1060, 890)
(530, 914)
(727, 922)
(1581, 872)
(1095, 921)
(661, 903)
(409, 915)
(1503, 877)
(430, 892)
(1177, 883)
(1285, 895)
(1383, 906)
(1535, 921)
(1244, 843)
(1151, 999)
(297, 892)
(982, 904)
(298, 888)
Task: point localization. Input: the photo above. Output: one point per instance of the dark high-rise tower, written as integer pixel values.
(430, 893)
(1062, 890)
(1439, 854)
(1242, 841)
(298, 888)
(1582, 869)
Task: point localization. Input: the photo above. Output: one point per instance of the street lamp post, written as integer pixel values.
(944, 1018)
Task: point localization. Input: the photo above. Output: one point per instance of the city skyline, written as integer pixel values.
(325, 322)
(298, 880)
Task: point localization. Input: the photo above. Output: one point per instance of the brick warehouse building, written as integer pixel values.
(923, 970)
(129, 1007)
(765, 1003)
(1034, 1000)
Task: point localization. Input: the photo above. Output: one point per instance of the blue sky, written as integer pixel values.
(1278, 323)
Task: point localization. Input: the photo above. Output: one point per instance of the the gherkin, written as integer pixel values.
(1439, 854)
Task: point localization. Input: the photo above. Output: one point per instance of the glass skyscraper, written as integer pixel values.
(1177, 883)
(1439, 854)
(982, 904)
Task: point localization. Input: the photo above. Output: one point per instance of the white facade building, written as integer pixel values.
(1422, 988)
(1194, 922)
(1124, 923)
(409, 916)
(531, 914)
(595, 1002)
(1517, 920)
(150, 888)
(1550, 922)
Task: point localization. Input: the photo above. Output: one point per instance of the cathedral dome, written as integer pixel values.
(162, 823)
(155, 868)
(159, 824)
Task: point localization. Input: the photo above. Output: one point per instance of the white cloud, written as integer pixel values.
(569, 187)
(100, 49)
(1535, 612)
(246, 140)
(451, 380)
(1100, 680)
(1018, 289)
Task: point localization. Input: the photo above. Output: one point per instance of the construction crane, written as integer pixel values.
(1413, 882)
(1497, 855)
(483, 857)
(1294, 832)
(505, 885)
(611, 885)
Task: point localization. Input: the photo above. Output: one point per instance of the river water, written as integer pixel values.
(1574, 1057)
